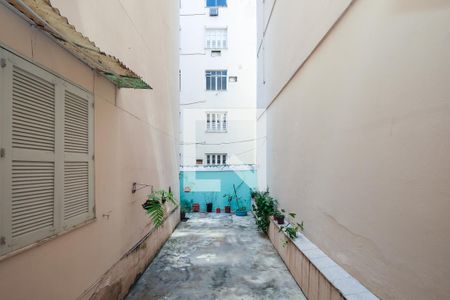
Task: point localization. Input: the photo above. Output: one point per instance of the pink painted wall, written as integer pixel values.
(358, 144)
(136, 140)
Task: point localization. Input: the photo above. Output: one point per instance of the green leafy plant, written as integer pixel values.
(263, 208)
(187, 206)
(292, 228)
(229, 198)
(155, 206)
(278, 214)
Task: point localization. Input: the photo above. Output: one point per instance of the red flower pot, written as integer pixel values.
(195, 207)
(217, 210)
(228, 209)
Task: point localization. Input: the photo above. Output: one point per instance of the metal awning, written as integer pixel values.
(47, 18)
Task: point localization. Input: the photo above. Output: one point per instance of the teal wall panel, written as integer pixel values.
(210, 186)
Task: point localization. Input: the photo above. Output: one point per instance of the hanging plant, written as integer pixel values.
(155, 206)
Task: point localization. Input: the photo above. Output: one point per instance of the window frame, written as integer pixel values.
(223, 37)
(223, 122)
(216, 3)
(15, 244)
(212, 79)
(213, 159)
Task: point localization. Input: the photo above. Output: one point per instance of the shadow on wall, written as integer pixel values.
(210, 187)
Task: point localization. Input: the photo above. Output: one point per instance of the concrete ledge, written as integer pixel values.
(317, 275)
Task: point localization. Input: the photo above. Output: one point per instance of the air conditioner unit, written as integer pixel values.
(213, 11)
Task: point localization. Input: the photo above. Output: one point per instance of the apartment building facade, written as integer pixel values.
(217, 82)
(217, 100)
(77, 128)
(354, 99)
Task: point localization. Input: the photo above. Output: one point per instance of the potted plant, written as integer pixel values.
(292, 228)
(209, 206)
(229, 198)
(278, 216)
(155, 206)
(241, 211)
(196, 207)
(185, 208)
(263, 208)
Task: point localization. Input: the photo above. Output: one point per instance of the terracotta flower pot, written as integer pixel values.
(228, 209)
(217, 210)
(195, 207)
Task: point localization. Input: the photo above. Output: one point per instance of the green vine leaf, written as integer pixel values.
(155, 206)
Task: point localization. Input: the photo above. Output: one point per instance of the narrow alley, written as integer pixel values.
(217, 256)
(307, 143)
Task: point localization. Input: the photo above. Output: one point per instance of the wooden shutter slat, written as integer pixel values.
(31, 105)
(33, 128)
(49, 145)
(76, 188)
(76, 124)
(35, 195)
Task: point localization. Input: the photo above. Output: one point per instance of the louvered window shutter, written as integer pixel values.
(46, 163)
(78, 204)
(29, 122)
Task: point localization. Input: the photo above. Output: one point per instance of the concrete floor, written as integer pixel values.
(217, 256)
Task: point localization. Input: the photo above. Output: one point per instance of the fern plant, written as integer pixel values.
(155, 206)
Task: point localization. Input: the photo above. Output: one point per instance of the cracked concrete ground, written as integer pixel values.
(217, 256)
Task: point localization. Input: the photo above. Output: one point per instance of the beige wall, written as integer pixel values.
(358, 144)
(136, 140)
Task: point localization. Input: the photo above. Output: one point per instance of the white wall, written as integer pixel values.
(239, 17)
(358, 139)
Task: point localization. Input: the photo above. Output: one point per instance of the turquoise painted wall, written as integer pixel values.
(212, 185)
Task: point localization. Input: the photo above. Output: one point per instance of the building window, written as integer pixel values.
(48, 165)
(215, 3)
(216, 122)
(216, 80)
(199, 161)
(216, 38)
(216, 159)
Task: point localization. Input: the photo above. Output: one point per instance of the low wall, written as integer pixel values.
(318, 276)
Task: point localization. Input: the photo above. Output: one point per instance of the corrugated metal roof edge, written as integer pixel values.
(48, 19)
